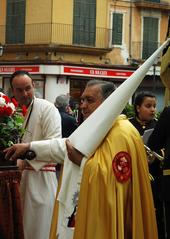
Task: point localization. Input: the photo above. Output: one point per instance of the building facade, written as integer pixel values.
(64, 43)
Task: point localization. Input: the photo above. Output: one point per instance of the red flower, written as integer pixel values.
(8, 111)
(11, 121)
(24, 110)
(7, 99)
(14, 102)
(1, 111)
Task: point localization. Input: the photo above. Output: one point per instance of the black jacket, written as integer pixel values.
(68, 124)
(141, 128)
(160, 138)
(155, 167)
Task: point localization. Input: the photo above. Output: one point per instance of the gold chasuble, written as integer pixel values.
(115, 200)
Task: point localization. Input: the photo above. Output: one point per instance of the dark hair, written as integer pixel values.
(106, 87)
(139, 98)
(18, 73)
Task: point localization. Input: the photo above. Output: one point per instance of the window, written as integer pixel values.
(150, 36)
(117, 26)
(15, 21)
(84, 22)
(158, 1)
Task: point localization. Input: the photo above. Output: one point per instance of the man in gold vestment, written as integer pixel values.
(115, 199)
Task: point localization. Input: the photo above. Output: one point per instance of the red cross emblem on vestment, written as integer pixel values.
(121, 165)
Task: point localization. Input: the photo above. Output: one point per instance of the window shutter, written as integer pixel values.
(15, 21)
(158, 1)
(150, 36)
(117, 25)
(84, 22)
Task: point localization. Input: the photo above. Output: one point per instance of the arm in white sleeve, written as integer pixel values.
(48, 151)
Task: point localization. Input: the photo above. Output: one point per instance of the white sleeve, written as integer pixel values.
(48, 151)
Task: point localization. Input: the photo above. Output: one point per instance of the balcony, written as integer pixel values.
(55, 37)
(140, 51)
(153, 4)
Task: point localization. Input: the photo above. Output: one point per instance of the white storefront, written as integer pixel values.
(53, 80)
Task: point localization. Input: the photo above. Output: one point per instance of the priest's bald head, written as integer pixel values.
(95, 93)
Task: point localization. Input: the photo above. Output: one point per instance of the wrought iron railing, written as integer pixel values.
(57, 33)
(151, 1)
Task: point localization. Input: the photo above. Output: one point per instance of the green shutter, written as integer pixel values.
(84, 22)
(150, 36)
(15, 21)
(158, 1)
(117, 25)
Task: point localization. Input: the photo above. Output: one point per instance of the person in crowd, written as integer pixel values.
(38, 182)
(159, 139)
(76, 111)
(145, 109)
(144, 119)
(115, 193)
(68, 122)
(74, 105)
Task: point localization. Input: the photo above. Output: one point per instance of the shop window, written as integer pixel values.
(77, 87)
(39, 86)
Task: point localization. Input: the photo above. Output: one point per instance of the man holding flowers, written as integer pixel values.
(38, 183)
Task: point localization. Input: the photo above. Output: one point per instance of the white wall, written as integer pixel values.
(56, 86)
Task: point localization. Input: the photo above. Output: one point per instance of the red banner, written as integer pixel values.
(96, 72)
(11, 69)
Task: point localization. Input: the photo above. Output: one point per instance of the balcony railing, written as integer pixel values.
(143, 50)
(155, 4)
(56, 33)
(152, 1)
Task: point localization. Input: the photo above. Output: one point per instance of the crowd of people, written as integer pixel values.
(116, 196)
